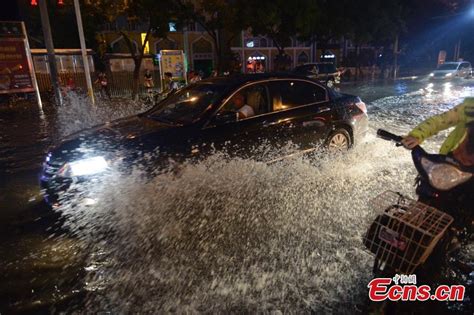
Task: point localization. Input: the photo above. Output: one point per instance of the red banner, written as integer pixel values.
(15, 75)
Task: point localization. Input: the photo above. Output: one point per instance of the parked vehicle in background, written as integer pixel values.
(450, 70)
(324, 72)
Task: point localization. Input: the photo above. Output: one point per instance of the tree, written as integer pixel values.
(152, 15)
(221, 19)
(281, 20)
(376, 22)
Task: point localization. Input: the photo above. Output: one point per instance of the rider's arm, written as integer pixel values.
(435, 124)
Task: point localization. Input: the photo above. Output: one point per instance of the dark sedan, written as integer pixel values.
(204, 117)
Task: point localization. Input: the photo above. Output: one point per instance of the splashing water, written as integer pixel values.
(79, 113)
(240, 235)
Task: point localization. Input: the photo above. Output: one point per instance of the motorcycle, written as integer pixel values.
(408, 235)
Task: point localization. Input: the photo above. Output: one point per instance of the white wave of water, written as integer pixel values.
(238, 234)
(78, 112)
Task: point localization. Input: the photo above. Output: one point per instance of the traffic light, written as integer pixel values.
(34, 3)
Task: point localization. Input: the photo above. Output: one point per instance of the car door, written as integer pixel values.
(301, 112)
(460, 70)
(466, 69)
(238, 136)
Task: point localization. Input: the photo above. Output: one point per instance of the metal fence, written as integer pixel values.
(120, 84)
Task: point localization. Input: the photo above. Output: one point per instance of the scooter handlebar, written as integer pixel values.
(388, 136)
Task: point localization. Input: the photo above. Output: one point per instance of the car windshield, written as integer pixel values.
(327, 68)
(186, 105)
(306, 69)
(311, 69)
(448, 66)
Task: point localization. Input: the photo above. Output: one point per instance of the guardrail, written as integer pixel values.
(120, 84)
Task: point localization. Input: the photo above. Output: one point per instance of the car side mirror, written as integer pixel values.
(225, 117)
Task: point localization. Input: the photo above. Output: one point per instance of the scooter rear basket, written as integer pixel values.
(405, 232)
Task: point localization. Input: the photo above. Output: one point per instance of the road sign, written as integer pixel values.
(15, 68)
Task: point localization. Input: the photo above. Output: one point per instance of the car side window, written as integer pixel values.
(293, 93)
(250, 101)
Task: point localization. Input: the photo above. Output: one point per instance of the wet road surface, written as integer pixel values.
(225, 235)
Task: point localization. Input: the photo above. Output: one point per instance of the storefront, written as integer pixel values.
(256, 63)
(203, 53)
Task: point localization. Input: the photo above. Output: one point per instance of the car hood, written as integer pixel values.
(129, 127)
(444, 71)
(109, 137)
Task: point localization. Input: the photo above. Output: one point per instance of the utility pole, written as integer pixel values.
(457, 50)
(33, 73)
(48, 40)
(187, 56)
(395, 57)
(85, 59)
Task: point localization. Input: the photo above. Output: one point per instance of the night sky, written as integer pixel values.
(9, 10)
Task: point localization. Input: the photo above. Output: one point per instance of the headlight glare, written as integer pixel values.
(443, 176)
(89, 166)
(449, 74)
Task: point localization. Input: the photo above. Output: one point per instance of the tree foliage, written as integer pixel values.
(281, 20)
(152, 15)
(221, 19)
(376, 22)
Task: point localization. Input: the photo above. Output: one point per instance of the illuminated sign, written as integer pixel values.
(15, 68)
(172, 27)
(173, 61)
(147, 46)
(257, 58)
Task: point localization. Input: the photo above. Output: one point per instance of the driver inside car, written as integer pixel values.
(243, 110)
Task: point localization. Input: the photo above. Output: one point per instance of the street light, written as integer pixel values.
(469, 14)
(471, 11)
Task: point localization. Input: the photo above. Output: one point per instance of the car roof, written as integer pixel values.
(240, 79)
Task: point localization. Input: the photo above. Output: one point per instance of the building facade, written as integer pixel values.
(254, 53)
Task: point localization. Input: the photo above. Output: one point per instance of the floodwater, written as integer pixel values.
(222, 235)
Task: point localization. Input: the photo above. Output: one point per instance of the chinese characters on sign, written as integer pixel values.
(15, 72)
(173, 61)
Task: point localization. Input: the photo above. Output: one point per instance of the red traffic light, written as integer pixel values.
(34, 2)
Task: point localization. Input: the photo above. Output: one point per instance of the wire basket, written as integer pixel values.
(405, 232)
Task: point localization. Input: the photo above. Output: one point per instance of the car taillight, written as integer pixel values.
(362, 107)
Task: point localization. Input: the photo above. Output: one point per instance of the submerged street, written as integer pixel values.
(221, 235)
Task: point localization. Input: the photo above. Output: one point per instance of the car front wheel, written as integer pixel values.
(339, 140)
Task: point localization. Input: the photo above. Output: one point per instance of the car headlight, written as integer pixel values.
(431, 74)
(89, 166)
(444, 176)
(448, 74)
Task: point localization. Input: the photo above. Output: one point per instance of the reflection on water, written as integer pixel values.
(224, 234)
